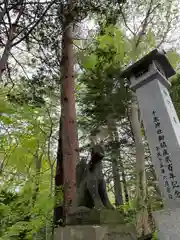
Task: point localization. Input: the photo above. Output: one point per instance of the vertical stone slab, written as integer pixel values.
(162, 128)
(149, 78)
(168, 224)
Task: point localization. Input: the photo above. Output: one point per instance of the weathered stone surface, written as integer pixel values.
(168, 224)
(101, 216)
(118, 232)
(96, 232)
(148, 77)
(161, 124)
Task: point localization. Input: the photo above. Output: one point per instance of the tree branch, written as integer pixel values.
(35, 24)
(145, 23)
(125, 22)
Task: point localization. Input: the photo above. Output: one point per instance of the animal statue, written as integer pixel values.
(91, 186)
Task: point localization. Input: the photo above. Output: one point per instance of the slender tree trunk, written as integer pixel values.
(58, 210)
(68, 115)
(8, 45)
(7, 49)
(115, 166)
(142, 218)
(3, 12)
(123, 179)
(156, 186)
(117, 183)
(38, 163)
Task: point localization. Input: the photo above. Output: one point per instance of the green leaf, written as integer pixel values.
(173, 57)
(105, 41)
(89, 62)
(6, 119)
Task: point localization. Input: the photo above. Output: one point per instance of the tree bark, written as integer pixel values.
(142, 218)
(115, 163)
(38, 163)
(123, 179)
(68, 114)
(8, 45)
(117, 183)
(58, 209)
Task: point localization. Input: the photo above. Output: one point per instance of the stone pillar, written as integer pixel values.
(149, 79)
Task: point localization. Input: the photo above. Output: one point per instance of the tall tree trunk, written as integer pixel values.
(115, 160)
(68, 115)
(58, 210)
(142, 218)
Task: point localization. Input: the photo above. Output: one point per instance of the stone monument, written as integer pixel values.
(149, 79)
(92, 215)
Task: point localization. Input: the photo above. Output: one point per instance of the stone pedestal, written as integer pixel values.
(88, 224)
(168, 224)
(91, 217)
(96, 232)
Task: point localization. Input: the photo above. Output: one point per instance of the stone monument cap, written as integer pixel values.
(143, 64)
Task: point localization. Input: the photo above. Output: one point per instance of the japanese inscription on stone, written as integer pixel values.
(165, 162)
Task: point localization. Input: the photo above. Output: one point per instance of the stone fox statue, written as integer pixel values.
(91, 187)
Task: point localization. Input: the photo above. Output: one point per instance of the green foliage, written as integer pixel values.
(155, 237)
(28, 119)
(27, 170)
(174, 58)
(129, 211)
(100, 80)
(90, 61)
(175, 93)
(19, 217)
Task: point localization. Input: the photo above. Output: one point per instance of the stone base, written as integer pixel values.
(168, 224)
(102, 216)
(93, 232)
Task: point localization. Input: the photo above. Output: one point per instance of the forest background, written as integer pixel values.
(61, 91)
